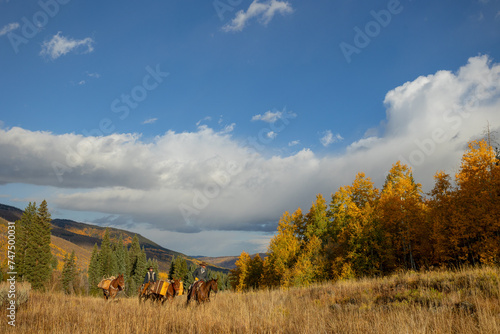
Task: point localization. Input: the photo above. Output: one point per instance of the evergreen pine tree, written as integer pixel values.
(23, 228)
(107, 257)
(180, 268)
(141, 267)
(133, 254)
(131, 287)
(171, 269)
(38, 255)
(188, 279)
(155, 266)
(138, 262)
(69, 273)
(94, 271)
(120, 255)
(44, 220)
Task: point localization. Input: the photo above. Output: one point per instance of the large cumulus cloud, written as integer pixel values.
(207, 180)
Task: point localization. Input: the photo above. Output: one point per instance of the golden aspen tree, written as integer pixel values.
(316, 219)
(477, 218)
(307, 269)
(353, 246)
(282, 252)
(240, 274)
(401, 209)
(255, 268)
(440, 210)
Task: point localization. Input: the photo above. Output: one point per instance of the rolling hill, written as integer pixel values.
(68, 235)
(10, 213)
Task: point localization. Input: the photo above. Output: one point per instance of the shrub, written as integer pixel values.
(20, 294)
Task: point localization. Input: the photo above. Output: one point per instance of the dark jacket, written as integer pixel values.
(150, 277)
(200, 273)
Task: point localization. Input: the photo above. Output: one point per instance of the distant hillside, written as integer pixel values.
(10, 213)
(68, 235)
(86, 235)
(61, 247)
(228, 262)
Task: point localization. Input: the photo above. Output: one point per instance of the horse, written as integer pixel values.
(116, 285)
(201, 291)
(146, 291)
(174, 288)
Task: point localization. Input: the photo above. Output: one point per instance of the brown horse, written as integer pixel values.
(146, 291)
(174, 288)
(116, 285)
(201, 291)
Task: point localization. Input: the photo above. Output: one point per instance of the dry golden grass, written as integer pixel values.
(465, 301)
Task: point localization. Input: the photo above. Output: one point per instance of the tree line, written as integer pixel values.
(33, 260)
(364, 231)
(115, 258)
(179, 269)
(37, 265)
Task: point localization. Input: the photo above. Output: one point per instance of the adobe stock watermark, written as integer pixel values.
(254, 144)
(223, 6)
(121, 106)
(30, 28)
(363, 36)
(11, 273)
(454, 118)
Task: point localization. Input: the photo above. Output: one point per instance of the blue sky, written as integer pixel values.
(198, 123)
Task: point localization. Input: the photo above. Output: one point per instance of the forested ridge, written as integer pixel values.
(364, 231)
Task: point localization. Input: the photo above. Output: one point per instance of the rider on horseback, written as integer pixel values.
(200, 276)
(150, 277)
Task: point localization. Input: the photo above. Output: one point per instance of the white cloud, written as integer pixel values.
(150, 121)
(8, 28)
(60, 45)
(94, 75)
(272, 116)
(271, 134)
(363, 144)
(294, 142)
(328, 138)
(207, 181)
(207, 118)
(262, 11)
(228, 128)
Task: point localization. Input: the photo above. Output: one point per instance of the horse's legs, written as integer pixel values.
(189, 296)
(105, 294)
(112, 294)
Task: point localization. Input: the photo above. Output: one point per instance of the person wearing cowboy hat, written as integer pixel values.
(149, 278)
(201, 272)
(200, 275)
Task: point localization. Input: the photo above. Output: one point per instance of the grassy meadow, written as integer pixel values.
(462, 301)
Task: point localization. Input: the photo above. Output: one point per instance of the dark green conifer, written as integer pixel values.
(38, 255)
(69, 273)
(94, 271)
